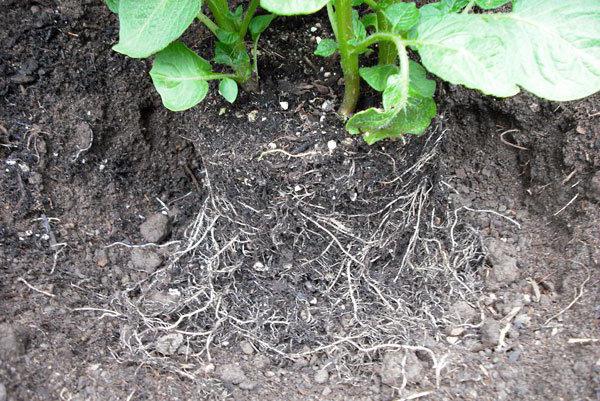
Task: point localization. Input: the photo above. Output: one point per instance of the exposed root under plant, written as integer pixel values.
(296, 276)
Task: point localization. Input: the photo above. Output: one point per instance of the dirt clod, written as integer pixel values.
(156, 228)
(399, 364)
(463, 310)
(504, 267)
(168, 345)
(595, 185)
(261, 362)
(246, 348)
(321, 376)
(145, 259)
(490, 332)
(231, 373)
(248, 385)
(12, 344)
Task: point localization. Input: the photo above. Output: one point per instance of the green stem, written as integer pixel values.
(386, 54)
(220, 10)
(331, 15)
(208, 22)
(349, 60)
(468, 8)
(248, 17)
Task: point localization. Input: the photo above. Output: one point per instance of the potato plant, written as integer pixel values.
(550, 48)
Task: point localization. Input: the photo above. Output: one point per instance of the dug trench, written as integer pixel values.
(256, 251)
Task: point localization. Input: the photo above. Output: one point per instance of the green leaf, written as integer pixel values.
(369, 20)
(452, 6)
(490, 4)
(548, 47)
(360, 32)
(113, 5)
(228, 88)
(395, 92)
(376, 124)
(402, 16)
(402, 114)
(238, 14)
(145, 27)
(179, 76)
(293, 7)
(326, 48)
(419, 85)
(259, 24)
(442, 7)
(377, 78)
(232, 56)
(227, 37)
(378, 75)
(370, 120)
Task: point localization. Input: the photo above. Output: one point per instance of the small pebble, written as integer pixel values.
(284, 105)
(252, 116)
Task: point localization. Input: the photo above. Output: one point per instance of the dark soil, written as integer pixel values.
(88, 154)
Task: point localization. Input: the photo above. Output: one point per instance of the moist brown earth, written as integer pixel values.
(90, 160)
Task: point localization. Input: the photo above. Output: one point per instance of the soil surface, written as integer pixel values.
(256, 251)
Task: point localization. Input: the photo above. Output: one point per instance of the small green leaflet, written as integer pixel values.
(377, 124)
(490, 4)
(378, 75)
(377, 78)
(293, 7)
(180, 76)
(360, 32)
(227, 37)
(146, 27)
(259, 24)
(452, 6)
(402, 16)
(228, 88)
(413, 118)
(548, 47)
(442, 7)
(369, 21)
(113, 5)
(326, 48)
(232, 56)
(395, 93)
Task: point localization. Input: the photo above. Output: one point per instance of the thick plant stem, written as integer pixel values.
(387, 53)
(349, 60)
